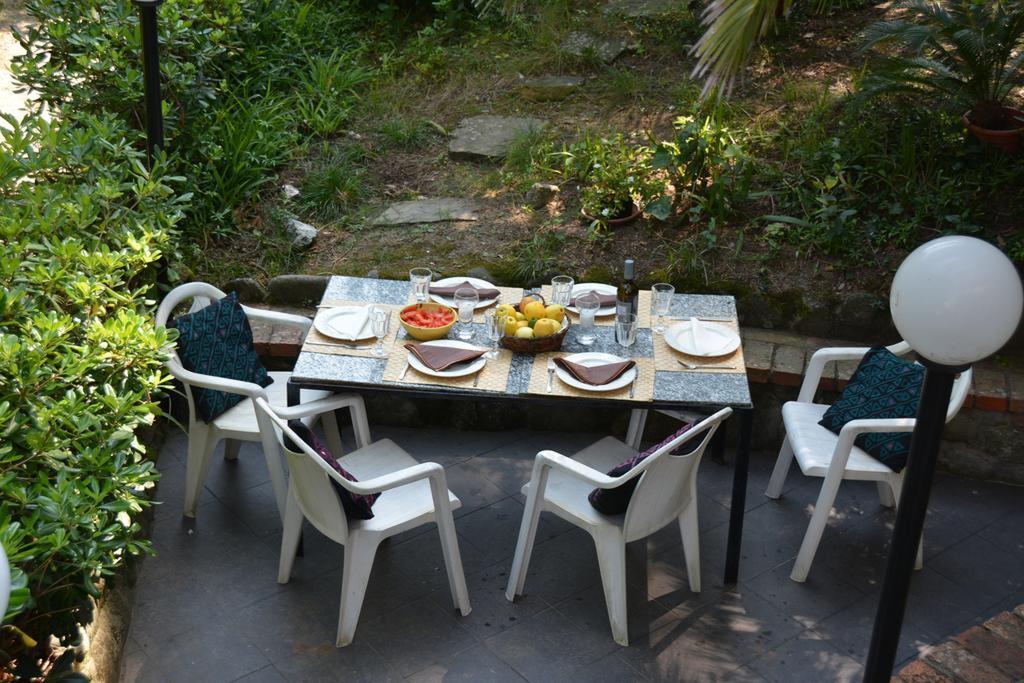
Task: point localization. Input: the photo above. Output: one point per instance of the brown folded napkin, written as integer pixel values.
(605, 300)
(443, 357)
(449, 290)
(597, 374)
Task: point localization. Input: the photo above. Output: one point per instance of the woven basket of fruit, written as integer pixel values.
(533, 327)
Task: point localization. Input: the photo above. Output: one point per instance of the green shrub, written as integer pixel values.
(80, 361)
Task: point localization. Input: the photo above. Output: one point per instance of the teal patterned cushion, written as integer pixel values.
(884, 386)
(217, 340)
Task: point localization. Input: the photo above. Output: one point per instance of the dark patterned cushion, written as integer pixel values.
(217, 340)
(615, 501)
(356, 506)
(883, 386)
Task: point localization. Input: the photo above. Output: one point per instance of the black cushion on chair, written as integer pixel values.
(884, 386)
(217, 340)
(615, 501)
(356, 506)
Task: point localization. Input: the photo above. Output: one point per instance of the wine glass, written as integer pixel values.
(587, 306)
(381, 320)
(661, 302)
(420, 279)
(495, 330)
(466, 299)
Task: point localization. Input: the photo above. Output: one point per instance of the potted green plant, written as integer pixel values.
(969, 52)
(615, 176)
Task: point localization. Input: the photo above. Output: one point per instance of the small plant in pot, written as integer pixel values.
(615, 177)
(968, 52)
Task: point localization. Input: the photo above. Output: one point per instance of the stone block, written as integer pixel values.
(541, 194)
(437, 210)
(1003, 654)
(1008, 626)
(549, 88)
(247, 289)
(954, 659)
(990, 390)
(919, 671)
(1016, 382)
(297, 289)
(286, 341)
(488, 137)
(758, 356)
(302, 235)
(586, 46)
(788, 365)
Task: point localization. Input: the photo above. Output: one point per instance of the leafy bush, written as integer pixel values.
(80, 361)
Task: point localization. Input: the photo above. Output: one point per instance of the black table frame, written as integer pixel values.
(740, 473)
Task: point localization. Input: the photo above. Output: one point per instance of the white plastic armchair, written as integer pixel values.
(666, 491)
(412, 494)
(821, 453)
(241, 422)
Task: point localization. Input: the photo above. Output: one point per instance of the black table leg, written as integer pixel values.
(739, 497)
(718, 444)
(294, 398)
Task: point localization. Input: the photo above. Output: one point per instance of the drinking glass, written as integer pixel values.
(381, 320)
(561, 289)
(495, 330)
(466, 300)
(625, 329)
(661, 302)
(420, 279)
(587, 305)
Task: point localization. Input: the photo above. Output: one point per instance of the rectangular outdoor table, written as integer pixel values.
(680, 390)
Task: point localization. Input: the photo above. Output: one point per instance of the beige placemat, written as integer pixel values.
(644, 392)
(318, 343)
(493, 377)
(643, 313)
(507, 295)
(666, 359)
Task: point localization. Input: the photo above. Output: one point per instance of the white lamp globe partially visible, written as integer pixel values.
(956, 300)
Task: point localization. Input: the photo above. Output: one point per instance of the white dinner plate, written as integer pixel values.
(585, 287)
(713, 339)
(326, 321)
(458, 370)
(475, 281)
(590, 360)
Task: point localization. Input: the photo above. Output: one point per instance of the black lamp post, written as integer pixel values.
(956, 300)
(151, 76)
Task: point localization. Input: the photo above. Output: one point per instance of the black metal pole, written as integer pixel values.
(151, 76)
(738, 503)
(910, 516)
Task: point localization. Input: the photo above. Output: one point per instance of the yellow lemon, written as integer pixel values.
(520, 316)
(555, 312)
(534, 309)
(505, 310)
(528, 299)
(545, 327)
(520, 324)
(511, 325)
(524, 333)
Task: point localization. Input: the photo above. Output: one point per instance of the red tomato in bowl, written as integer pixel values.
(427, 317)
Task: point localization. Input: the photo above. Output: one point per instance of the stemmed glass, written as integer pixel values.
(466, 300)
(587, 306)
(661, 302)
(420, 279)
(381, 320)
(561, 289)
(495, 330)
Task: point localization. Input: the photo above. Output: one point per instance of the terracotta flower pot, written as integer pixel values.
(613, 222)
(1006, 140)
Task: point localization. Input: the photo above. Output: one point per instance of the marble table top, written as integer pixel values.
(671, 389)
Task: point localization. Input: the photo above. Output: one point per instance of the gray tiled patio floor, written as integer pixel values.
(208, 607)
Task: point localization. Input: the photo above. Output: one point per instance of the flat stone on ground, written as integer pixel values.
(638, 9)
(428, 211)
(580, 44)
(488, 137)
(549, 88)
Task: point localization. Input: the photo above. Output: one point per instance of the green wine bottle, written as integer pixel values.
(628, 294)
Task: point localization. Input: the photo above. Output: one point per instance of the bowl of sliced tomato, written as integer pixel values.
(427, 321)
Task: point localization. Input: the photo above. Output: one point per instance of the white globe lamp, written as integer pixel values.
(955, 300)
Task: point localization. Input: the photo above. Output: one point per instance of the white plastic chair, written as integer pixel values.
(412, 494)
(821, 453)
(241, 422)
(666, 491)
